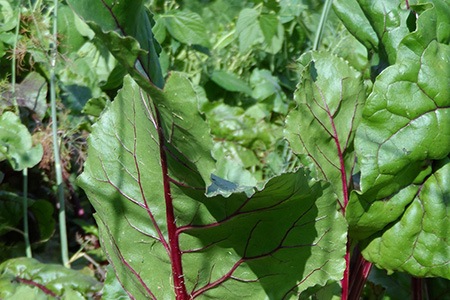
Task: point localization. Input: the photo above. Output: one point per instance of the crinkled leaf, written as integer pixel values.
(55, 280)
(30, 93)
(402, 145)
(277, 243)
(125, 19)
(356, 22)
(420, 236)
(379, 25)
(187, 27)
(329, 97)
(16, 144)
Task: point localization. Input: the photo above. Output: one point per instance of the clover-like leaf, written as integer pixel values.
(16, 144)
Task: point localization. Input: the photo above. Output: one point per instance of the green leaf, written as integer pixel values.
(67, 27)
(16, 144)
(20, 278)
(330, 97)
(187, 27)
(267, 89)
(367, 18)
(95, 106)
(274, 244)
(273, 32)
(230, 82)
(351, 14)
(112, 290)
(124, 18)
(40, 211)
(403, 149)
(290, 9)
(269, 25)
(248, 29)
(8, 14)
(420, 236)
(30, 93)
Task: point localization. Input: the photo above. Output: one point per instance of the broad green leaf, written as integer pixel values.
(187, 27)
(379, 25)
(420, 236)
(402, 145)
(389, 157)
(230, 82)
(30, 93)
(274, 244)
(389, 22)
(269, 25)
(273, 32)
(329, 100)
(126, 19)
(20, 278)
(248, 29)
(16, 144)
(71, 39)
(351, 14)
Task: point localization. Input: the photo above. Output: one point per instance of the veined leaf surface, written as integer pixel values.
(403, 145)
(146, 175)
(329, 97)
(125, 18)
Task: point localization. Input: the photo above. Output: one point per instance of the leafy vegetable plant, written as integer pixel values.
(172, 228)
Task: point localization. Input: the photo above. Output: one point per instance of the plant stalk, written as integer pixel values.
(174, 243)
(58, 169)
(321, 27)
(26, 234)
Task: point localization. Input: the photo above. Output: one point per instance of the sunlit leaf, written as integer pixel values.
(329, 98)
(278, 242)
(403, 145)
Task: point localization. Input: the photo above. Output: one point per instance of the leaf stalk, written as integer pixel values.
(58, 169)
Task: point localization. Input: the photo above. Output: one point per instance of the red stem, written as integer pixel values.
(38, 285)
(360, 271)
(417, 284)
(345, 279)
(175, 252)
